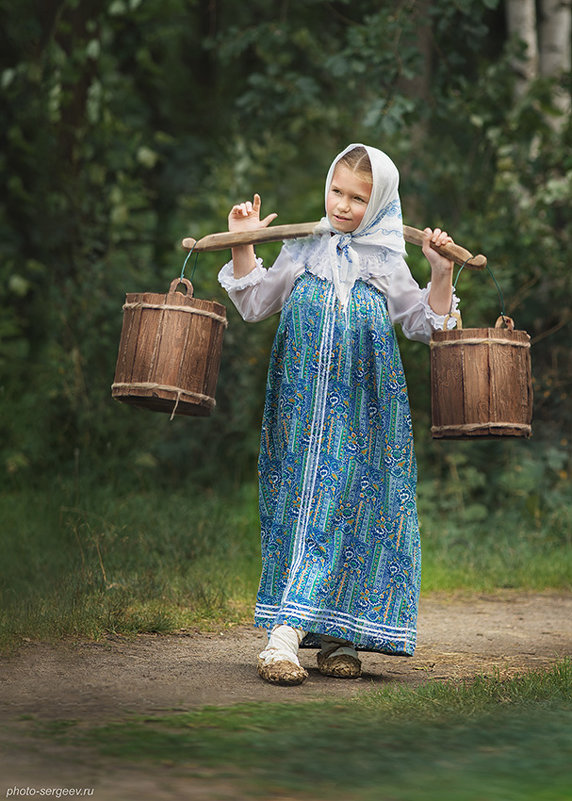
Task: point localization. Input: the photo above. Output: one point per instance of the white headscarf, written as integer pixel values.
(381, 226)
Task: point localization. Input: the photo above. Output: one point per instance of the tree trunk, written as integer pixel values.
(555, 37)
(555, 50)
(521, 22)
(418, 88)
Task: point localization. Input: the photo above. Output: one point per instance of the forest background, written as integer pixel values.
(130, 124)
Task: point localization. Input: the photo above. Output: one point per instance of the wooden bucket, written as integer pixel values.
(481, 383)
(169, 352)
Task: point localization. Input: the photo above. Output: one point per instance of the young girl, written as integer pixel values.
(340, 538)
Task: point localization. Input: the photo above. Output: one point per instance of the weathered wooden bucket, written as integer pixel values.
(169, 352)
(481, 383)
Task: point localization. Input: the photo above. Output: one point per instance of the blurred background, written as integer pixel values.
(130, 124)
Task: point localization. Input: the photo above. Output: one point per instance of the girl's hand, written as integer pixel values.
(246, 216)
(441, 270)
(439, 264)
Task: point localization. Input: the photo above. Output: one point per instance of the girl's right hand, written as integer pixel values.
(246, 216)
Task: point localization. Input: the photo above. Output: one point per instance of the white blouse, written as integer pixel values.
(263, 292)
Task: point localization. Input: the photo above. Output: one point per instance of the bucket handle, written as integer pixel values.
(457, 317)
(185, 281)
(508, 322)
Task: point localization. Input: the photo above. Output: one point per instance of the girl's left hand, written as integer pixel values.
(438, 263)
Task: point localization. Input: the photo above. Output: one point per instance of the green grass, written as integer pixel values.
(498, 559)
(484, 740)
(123, 563)
(96, 561)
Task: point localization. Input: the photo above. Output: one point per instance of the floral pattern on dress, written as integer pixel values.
(337, 472)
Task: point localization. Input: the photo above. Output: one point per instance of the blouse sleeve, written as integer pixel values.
(262, 292)
(408, 304)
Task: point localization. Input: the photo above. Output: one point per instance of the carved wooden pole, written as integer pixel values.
(276, 233)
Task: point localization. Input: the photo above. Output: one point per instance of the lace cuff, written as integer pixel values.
(437, 320)
(229, 282)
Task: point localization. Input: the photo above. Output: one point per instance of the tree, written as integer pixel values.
(555, 58)
(545, 44)
(130, 124)
(521, 22)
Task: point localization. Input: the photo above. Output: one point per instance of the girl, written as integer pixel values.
(340, 537)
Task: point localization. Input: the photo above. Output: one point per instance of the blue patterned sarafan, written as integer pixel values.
(340, 536)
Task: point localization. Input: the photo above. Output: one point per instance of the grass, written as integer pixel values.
(484, 740)
(96, 561)
(123, 563)
(498, 560)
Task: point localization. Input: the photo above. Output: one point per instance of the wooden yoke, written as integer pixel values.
(277, 233)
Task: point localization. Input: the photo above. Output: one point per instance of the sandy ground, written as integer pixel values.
(459, 636)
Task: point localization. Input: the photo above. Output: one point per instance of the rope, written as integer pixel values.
(166, 388)
(175, 407)
(187, 309)
(476, 426)
(477, 341)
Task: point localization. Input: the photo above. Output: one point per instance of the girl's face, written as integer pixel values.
(347, 199)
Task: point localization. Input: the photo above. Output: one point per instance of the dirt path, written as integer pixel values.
(458, 637)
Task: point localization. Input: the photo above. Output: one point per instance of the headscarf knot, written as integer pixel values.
(381, 226)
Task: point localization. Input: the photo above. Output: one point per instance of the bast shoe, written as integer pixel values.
(339, 665)
(282, 672)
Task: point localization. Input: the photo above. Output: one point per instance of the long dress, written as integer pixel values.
(337, 472)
